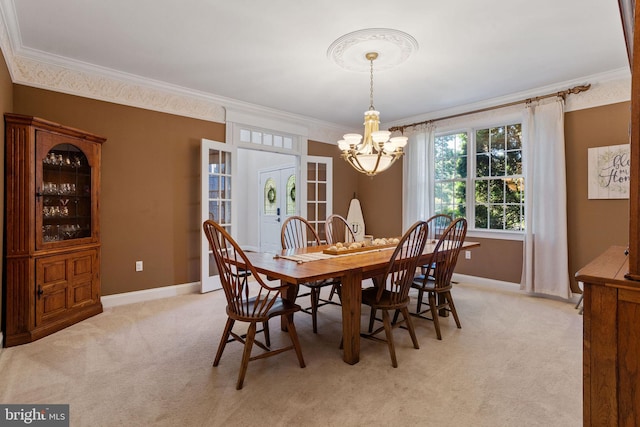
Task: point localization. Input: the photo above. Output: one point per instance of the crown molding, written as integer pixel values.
(39, 69)
(42, 70)
(606, 88)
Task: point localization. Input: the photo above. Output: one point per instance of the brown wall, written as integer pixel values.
(594, 225)
(6, 103)
(345, 178)
(150, 196)
(150, 186)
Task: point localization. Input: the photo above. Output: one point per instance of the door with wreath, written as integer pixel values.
(278, 203)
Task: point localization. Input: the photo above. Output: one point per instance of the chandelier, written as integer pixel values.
(377, 151)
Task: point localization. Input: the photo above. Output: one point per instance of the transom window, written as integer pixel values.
(481, 168)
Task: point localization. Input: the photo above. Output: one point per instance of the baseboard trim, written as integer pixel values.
(475, 280)
(150, 294)
(507, 286)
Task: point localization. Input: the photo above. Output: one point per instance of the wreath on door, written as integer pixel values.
(292, 193)
(271, 195)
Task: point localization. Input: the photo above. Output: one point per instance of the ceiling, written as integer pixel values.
(274, 53)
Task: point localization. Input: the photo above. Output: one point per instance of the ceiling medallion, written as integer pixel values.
(393, 47)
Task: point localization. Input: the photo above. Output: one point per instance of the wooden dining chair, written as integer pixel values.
(337, 229)
(438, 223)
(250, 301)
(392, 291)
(296, 233)
(438, 284)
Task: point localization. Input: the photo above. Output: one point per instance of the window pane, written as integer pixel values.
(482, 216)
(214, 212)
(448, 161)
(214, 190)
(245, 135)
(311, 211)
(482, 141)
(311, 191)
(256, 137)
(270, 197)
(513, 217)
(497, 138)
(461, 145)
(462, 167)
(460, 192)
(496, 191)
(513, 190)
(444, 193)
(496, 217)
(322, 192)
(311, 171)
(225, 213)
(514, 163)
(497, 163)
(482, 165)
(291, 195)
(322, 211)
(482, 191)
(514, 134)
(322, 172)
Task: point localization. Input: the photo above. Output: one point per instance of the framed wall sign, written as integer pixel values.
(609, 172)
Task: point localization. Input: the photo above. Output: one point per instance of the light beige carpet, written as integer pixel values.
(517, 361)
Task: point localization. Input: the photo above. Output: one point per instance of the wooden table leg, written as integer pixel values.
(290, 295)
(351, 297)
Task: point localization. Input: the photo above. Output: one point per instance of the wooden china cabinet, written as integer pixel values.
(52, 230)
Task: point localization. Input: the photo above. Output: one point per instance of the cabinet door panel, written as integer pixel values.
(81, 293)
(52, 303)
(53, 271)
(64, 282)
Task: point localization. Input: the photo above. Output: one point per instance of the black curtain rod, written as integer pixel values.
(562, 93)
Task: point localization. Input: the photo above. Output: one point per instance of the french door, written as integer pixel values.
(217, 165)
(278, 202)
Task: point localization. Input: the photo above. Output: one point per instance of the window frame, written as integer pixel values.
(470, 127)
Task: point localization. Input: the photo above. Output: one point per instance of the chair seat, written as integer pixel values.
(280, 307)
(369, 296)
(428, 285)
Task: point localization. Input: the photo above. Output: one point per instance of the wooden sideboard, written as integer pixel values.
(611, 353)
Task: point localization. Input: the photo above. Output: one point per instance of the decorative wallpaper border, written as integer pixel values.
(44, 71)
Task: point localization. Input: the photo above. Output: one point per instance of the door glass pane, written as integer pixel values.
(291, 195)
(270, 197)
(322, 172)
(219, 186)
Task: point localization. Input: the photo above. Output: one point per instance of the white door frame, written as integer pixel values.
(207, 282)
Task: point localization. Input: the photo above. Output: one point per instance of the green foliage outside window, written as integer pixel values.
(497, 182)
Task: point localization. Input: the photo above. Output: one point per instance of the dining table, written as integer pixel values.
(294, 267)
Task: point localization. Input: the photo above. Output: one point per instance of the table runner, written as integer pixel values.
(316, 256)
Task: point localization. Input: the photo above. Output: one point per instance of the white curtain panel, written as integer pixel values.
(418, 176)
(546, 259)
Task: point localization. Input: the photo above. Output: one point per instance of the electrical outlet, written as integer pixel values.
(138, 265)
(467, 254)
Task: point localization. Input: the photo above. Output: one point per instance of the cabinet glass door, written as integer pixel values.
(63, 196)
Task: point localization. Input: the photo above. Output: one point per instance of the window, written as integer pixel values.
(482, 169)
